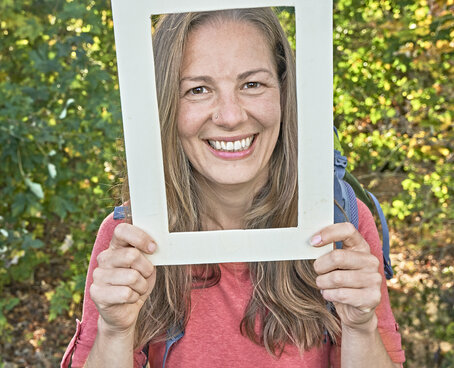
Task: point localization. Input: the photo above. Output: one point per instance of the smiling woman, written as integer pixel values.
(229, 125)
(226, 95)
(229, 118)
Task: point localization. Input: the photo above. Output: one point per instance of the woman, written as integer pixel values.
(226, 93)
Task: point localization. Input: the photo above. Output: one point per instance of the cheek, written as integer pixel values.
(188, 122)
(270, 111)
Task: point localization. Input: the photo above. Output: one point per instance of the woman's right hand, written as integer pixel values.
(123, 279)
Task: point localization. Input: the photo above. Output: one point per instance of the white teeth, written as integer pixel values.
(239, 145)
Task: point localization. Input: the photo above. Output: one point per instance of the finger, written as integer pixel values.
(344, 232)
(364, 299)
(121, 277)
(126, 235)
(345, 260)
(348, 279)
(151, 281)
(107, 296)
(126, 258)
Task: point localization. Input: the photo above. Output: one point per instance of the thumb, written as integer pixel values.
(344, 232)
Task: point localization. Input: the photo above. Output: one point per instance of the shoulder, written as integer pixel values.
(364, 214)
(366, 219)
(105, 233)
(108, 225)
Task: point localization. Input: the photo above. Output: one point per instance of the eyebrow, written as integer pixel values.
(254, 71)
(208, 79)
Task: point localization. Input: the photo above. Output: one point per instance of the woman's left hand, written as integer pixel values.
(349, 277)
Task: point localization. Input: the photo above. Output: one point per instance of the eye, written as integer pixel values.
(251, 85)
(198, 90)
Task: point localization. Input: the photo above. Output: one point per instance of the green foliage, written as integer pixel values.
(65, 295)
(393, 93)
(59, 122)
(286, 17)
(6, 305)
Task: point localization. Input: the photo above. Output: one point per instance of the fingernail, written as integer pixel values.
(316, 240)
(151, 247)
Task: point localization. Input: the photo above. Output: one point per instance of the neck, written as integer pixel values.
(225, 205)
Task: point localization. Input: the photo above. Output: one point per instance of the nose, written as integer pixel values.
(229, 111)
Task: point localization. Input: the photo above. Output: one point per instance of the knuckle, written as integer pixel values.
(316, 266)
(134, 297)
(376, 297)
(101, 258)
(130, 256)
(337, 256)
(149, 271)
(351, 229)
(120, 230)
(341, 296)
(134, 277)
(337, 278)
(96, 274)
(375, 263)
(125, 294)
(377, 279)
(93, 292)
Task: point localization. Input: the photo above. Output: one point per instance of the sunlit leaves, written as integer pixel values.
(59, 123)
(287, 19)
(397, 77)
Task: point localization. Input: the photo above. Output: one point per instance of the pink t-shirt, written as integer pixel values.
(213, 338)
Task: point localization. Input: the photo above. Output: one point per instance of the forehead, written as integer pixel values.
(218, 41)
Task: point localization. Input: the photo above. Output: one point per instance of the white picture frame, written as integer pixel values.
(132, 26)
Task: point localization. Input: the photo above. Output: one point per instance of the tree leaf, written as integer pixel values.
(52, 170)
(36, 188)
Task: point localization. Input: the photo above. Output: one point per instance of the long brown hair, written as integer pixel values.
(285, 298)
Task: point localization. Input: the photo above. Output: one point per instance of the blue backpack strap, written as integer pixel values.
(173, 335)
(122, 212)
(385, 236)
(344, 195)
(346, 198)
(119, 213)
(353, 205)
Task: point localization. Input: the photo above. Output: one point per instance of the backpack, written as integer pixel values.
(346, 190)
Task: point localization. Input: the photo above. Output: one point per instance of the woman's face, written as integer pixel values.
(229, 109)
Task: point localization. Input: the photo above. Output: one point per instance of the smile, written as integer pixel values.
(232, 146)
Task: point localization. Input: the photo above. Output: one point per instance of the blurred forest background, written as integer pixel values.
(62, 159)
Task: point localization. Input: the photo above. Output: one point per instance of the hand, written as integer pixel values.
(349, 277)
(123, 279)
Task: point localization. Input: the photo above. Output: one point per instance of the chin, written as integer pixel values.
(232, 178)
